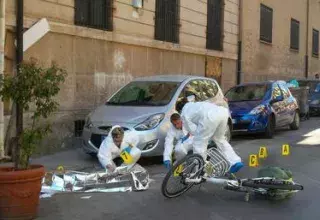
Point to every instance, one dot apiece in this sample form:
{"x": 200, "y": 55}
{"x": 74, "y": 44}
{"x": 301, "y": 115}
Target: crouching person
{"x": 184, "y": 141}
{"x": 118, "y": 143}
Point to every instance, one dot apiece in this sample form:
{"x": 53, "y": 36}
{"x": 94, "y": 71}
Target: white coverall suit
{"x": 181, "y": 149}
{"x": 207, "y": 121}
{"x": 109, "y": 151}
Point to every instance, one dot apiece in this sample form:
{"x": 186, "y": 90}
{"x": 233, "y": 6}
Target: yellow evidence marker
{"x": 60, "y": 168}
{"x": 285, "y": 150}
{"x": 126, "y": 157}
{"x": 263, "y": 153}
{"x": 253, "y": 160}
{"x": 178, "y": 170}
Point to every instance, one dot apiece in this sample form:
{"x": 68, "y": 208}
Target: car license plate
{"x": 234, "y": 121}
{"x": 103, "y": 137}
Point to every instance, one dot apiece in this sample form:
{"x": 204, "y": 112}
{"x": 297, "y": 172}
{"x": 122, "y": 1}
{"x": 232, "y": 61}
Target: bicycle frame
{"x": 235, "y": 185}
{"x": 219, "y": 167}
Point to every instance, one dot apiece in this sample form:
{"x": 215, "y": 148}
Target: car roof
{"x": 308, "y": 80}
{"x": 261, "y": 83}
{"x": 256, "y": 83}
{"x": 170, "y": 78}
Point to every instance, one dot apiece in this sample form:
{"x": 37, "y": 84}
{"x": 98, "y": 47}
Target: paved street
{"x": 209, "y": 202}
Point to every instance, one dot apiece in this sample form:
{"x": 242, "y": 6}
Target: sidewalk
{"x": 74, "y": 159}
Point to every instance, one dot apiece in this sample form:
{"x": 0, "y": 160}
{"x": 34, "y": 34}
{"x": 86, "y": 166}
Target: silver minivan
{"x": 145, "y": 106}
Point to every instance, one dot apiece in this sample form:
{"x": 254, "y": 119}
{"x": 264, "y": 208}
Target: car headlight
{"x": 315, "y": 102}
{"x": 257, "y": 110}
{"x": 150, "y": 123}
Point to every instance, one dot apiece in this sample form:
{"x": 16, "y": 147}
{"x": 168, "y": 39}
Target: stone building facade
{"x": 280, "y": 39}
{"x": 103, "y": 44}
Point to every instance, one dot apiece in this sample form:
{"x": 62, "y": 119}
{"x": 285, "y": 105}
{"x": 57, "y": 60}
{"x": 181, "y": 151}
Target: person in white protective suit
{"x": 114, "y": 144}
{"x": 184, "y": 141}
{"x": 206, "y": 121}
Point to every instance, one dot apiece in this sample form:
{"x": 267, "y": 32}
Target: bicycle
{"x": 193, "y": 170}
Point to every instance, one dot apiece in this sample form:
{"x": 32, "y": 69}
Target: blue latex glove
{"x": 183, "y": 139}
{"x": 127, "y": 149}
{"x": 167, "y": 164}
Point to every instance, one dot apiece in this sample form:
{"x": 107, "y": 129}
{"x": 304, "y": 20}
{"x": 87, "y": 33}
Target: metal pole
{"x": 307, "y": 41}
{"x": 239, "y": 60}
{"x": 19, "y": 54}
{"x": 2, "y": 39}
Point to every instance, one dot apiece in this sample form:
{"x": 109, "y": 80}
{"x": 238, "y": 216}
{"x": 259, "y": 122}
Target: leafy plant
{"x": 34, "y": 89}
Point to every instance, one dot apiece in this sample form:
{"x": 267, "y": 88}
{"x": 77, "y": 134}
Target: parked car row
{"x": 146, "y": 104}
{"x": 314, "y": 95}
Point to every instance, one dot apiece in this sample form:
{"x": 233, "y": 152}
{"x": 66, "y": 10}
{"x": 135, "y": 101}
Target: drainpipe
{"x": 19, "y": 59}
{"x": 239, "y": 60}
{"x": 307, "y": 41}
{"x": 2, "y": 40}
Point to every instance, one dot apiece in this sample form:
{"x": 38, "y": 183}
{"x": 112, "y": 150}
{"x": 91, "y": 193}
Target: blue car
{"x": 262, "y": 107}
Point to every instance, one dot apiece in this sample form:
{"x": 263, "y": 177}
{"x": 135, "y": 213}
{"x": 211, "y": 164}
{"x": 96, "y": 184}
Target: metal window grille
{"x": 94, "y": 14}
{"x": 315, "y": 42}
{"x": 266, "y": 19}
{"x": 214, "y": 24}
{"x": 167, "y": 18}
{"x": 294, "y": 35}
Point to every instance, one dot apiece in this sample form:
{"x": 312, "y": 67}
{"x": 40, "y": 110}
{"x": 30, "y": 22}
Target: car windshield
{"x": 143, "y": 93}
{"x": 247, "y": 93}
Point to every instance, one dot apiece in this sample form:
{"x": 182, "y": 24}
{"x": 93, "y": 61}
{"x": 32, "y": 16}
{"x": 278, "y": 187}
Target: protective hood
{"x": 109, "y": 137}
{"x": 113, "y": 127}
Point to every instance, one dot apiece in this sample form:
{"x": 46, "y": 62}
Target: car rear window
{"x": 145, "y": 93}
{"x": 247, "y": 93}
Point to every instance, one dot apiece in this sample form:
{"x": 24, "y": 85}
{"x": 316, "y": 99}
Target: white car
{"x": 145, "y": 105}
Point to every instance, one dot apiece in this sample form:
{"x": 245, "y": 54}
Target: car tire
{"x": 296, "y": 122}
{"x": 270, "y": 127}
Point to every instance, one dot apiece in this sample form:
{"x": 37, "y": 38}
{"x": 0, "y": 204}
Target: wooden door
{"x": 214, "y": 68}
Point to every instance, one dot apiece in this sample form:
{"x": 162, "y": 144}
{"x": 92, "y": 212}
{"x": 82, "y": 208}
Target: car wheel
{"x": 270, "y": 127}
{"x": 296, "y": 122}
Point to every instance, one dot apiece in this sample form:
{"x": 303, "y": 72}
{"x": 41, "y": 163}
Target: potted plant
{"x": 33, "y": 89}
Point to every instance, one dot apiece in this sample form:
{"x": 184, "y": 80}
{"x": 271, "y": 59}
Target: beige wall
{"x": 261, "y": 61}
{"x": 139, "y": 25}
{"x": 314, "y": 63}
{"x": 100, "y": 62}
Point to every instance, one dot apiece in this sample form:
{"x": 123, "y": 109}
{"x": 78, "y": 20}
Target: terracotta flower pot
{"x": 19, "y": 192}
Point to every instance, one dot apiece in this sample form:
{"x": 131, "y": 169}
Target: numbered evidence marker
{"x": 126, "y": 157}
{"x": 60, "y": 168}
{"x": 263, "y": 153}
{"x": 285, "y": 150}
{"x": 178, "y": 170}
{"x": 253, "y": 160}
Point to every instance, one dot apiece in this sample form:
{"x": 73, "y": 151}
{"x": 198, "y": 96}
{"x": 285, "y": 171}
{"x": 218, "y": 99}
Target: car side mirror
{"x": 277, "y": 99}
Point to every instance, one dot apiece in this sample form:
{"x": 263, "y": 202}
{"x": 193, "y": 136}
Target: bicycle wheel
{"x": 174, "y": 183}
{"x": 272, "y": 184}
